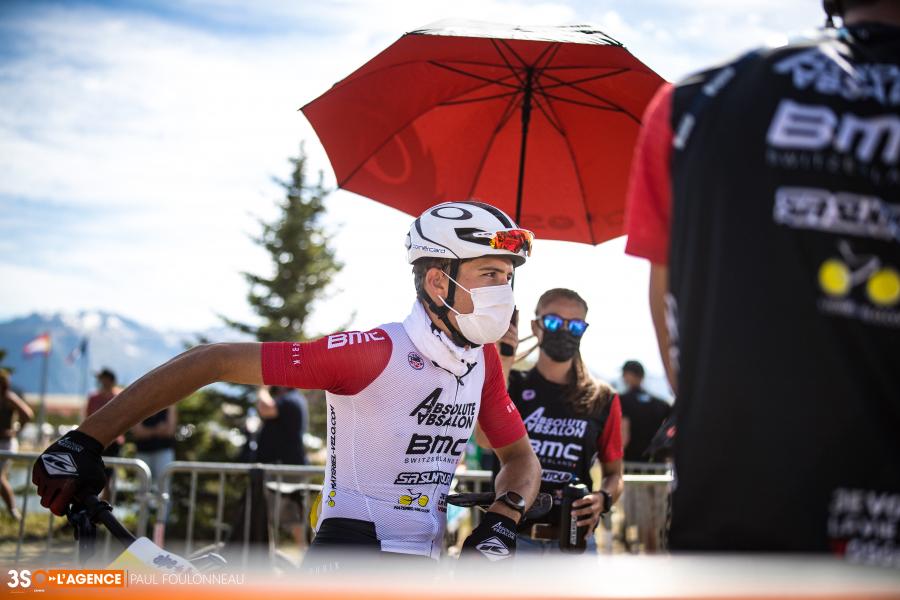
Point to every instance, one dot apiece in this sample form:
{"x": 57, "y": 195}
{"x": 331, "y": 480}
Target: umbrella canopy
{"x": 539, "y": 121}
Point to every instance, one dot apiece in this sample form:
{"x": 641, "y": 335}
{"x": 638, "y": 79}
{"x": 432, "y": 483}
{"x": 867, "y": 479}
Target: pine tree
{"x": 304, "y": 264}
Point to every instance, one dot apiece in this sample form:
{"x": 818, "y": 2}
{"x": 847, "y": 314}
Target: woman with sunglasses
{"x": 571, "y": 417}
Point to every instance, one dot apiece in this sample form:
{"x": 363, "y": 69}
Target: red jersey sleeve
{"x": 649, "y": 202}
{"x": 609, "y": 444}
{"x": 498, "y": 417}
{"x": 342, "y": 363}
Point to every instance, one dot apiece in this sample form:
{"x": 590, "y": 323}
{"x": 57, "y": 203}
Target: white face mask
{"x": 490, "y": 319}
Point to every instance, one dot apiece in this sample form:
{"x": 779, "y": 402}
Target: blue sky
{"x": 138, "y": 141}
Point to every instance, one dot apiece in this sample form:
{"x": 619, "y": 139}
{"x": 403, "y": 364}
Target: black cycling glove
{"x": 70, "y": 466}
{"x": 494, "y": 538}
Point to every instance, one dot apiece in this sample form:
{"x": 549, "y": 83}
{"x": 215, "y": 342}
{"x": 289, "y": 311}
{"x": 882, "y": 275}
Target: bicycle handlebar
{"x": 542, "y": 504}
{"x": 99, "y": 511}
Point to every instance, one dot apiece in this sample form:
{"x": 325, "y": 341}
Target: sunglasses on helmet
{"x": 511, "y": 240}
{"x": 552, "y": 323}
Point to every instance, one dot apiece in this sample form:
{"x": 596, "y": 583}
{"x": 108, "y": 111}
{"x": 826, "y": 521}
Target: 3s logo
{"x": 19, "y": 578}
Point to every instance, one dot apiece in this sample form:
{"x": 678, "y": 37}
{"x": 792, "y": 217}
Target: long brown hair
{"x": 585, "y": 394}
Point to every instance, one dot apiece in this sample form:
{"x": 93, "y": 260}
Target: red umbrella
{"x": 539, "y": 121}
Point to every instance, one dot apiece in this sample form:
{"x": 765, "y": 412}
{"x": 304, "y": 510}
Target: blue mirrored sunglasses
{"x": 576, "y": 327}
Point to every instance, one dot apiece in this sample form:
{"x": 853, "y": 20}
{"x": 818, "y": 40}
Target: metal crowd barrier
{"x": 296, "y": 474}
{"x": 142, "y": 494}
{"x": 645, "y": 507}
{"x": 651, "y": 478}
{"x": 305, "y": 479}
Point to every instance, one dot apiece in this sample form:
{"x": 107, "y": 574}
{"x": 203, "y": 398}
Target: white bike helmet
{"x": 460, "y": 230}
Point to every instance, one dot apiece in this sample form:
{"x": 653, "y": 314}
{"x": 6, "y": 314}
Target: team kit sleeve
{"x": 649, "y": 202}
{"x": 342, "y": 363}
{"x": 498, "y": 417}
{"x": 609, "y": 444}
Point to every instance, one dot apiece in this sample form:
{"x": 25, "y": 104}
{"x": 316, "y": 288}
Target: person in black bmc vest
{"x": 572, "y": 419}
{"x": 642, "y": 414}
{"x": 765, "y": 194}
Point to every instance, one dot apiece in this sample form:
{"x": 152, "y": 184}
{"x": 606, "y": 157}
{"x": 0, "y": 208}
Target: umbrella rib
{"x": 595, "y": 97}
{"x": 509, "y": 66}
{"x": 586, "y": 104}
{"x": 479, "y": 99}
{"x": 555, "y": 121}
{"x": 587, "y": 212}
{"x": 550, "y": 57}
{"x": 576, "y": 82}
{"x": 473, "y": 75}
{"x": 504, "y": 118}
{"x": 519, "y": 58}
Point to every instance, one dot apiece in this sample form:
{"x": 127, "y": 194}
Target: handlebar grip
{"x": 100, "y": 511}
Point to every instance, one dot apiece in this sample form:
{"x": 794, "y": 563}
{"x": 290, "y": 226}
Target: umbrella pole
{"x": 526, "y": 118}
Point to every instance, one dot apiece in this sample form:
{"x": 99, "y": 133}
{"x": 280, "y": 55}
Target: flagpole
{"x": 43, "y": 404}
{"x": 84, "y": 366}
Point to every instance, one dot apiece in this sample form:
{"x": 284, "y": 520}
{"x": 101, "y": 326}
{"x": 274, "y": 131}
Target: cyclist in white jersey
{"x": 402, "y": 399}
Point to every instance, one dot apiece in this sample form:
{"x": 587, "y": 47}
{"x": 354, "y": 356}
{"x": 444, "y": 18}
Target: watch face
{"x": 515, "y": 499}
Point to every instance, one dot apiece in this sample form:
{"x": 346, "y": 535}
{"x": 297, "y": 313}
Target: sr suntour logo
{"x": 439, "y": 414}
{"x": 424, "y": 478}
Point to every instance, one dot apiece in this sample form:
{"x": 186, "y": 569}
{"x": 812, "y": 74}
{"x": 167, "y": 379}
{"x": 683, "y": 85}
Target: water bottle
{"x": 572, "y": 539}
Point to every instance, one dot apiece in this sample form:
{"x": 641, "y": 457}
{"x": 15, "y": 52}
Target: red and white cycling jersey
{"x": 397, "y": 427}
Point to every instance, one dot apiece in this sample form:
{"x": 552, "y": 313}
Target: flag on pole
{"x": 39, "y": 345}
{"x": 77, "y": 352}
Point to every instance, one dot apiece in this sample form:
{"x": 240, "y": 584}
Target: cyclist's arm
{"x": 21, "y": 407}
{"x": 172, "y": 381}
{"x": 480, "y": 438}
{"x": 648, "y": 210}
{"x": 500, "y": 423}
{"x": 659, "y": 288}
{"x": 520, "y": 471}
{"x": 343, "y": 363}
{"x": 611, "y": 451}
{"x": 589, "y": 509}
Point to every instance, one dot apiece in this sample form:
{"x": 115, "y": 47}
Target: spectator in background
{"x": 106, "y": 391}
{"x": 642, "y": 413}
{"x": 154, "y": 438}
{"x": 11, "y": 406}
{"x": 642, "y": 416}
{"x": 285, "y": 416}
{"x": 572, "y": 420}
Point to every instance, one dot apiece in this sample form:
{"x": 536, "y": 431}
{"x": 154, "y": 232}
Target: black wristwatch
{"x": 607, "y": 502}
{"x": 514, "y": 501}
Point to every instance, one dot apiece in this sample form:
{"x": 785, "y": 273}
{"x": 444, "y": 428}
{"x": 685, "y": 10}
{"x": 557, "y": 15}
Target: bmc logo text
{"x": 815, "y": 127}
{"x": 438, "y": 444}
{"x": 551, "y": 449}
{"x": 350, "y": 338}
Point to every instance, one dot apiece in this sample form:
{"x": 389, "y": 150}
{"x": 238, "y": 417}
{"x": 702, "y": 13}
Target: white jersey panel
{"x": 394, "y": 446}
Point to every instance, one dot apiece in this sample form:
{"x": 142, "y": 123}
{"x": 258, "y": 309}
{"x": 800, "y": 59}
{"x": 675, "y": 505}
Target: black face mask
{"x": 560, "y": 346}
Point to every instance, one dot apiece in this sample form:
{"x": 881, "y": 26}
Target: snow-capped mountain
{"x": 127, "y": 347}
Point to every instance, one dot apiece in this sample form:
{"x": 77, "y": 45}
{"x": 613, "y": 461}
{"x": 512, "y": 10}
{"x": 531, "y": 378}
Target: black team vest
{"x": 565, "y": 444}
{"x": 784, "y": 274}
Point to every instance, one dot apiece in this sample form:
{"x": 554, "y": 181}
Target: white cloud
{"x": 167, "y": 132}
